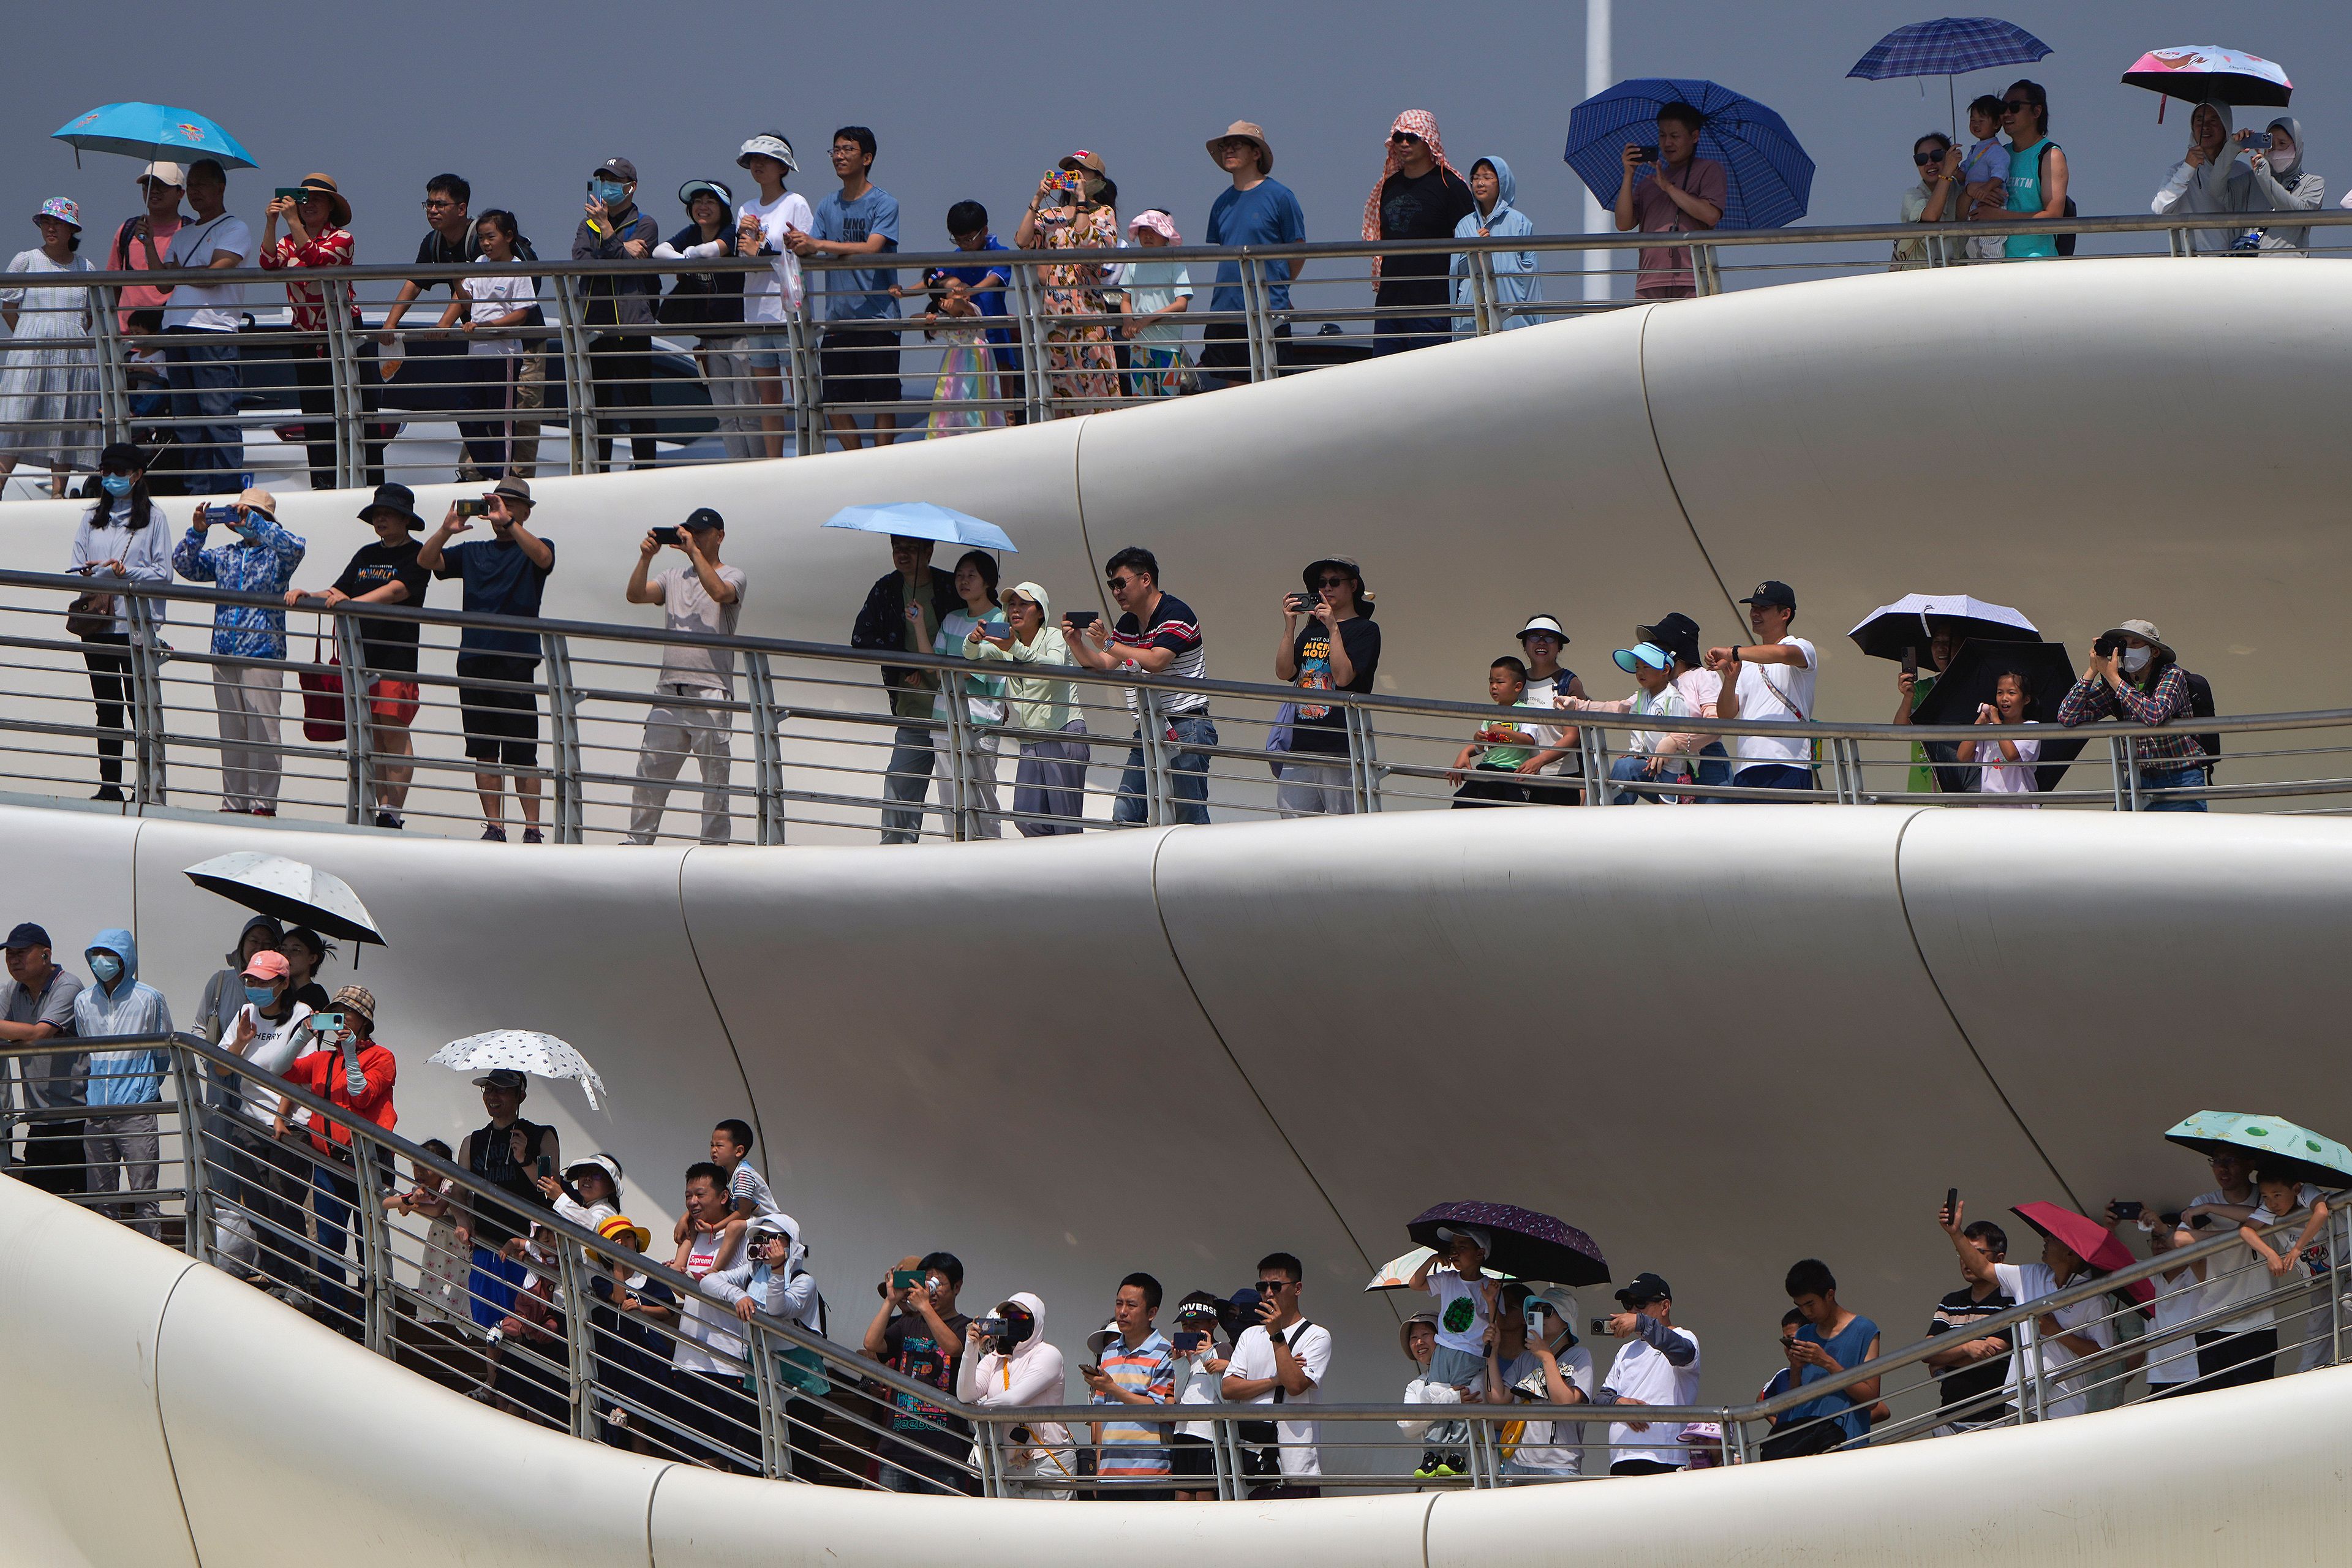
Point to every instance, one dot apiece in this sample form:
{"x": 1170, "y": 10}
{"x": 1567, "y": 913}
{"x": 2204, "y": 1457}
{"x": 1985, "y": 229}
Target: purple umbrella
{"x": 1531, "y": 1244}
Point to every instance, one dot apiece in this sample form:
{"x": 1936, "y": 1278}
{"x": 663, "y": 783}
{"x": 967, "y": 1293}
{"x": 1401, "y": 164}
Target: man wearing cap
{"x": 1557, "y": 760}
{"x": 159, "y": 185}
{"x": 1659, "y": 1365}
{"x": 1770, "y": 681}
{"x": 124, "y": 1084}
{"x": 1256, "y": 210}
{"x": 621, "y": 306}
{"x": 348, "y": 1069}
{"x": 199, "y": 352}
{"x": 505, "y": 574}
{"x": 860, "y": 363}
{"x": 1331, "y": 645}
{"x": 701, "y": 599}
{"x": 503, "y": 1153}
{"x": 36, "y": 1003}
{"x": 2134, "y": 677}
{"x": 248, "y": 641}
{"x": 386, "y": 572}
{"x": 764, "y": 226}
{"x": 318, "y": 235}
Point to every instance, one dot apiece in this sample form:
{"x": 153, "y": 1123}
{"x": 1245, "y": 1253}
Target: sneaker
{"x": 494, "y": 834}
{"x": 481, "y": 1396}
{"x": 530, "y": 835}
{"x": 1454, "y": 1465}
{"x": 1428, "y": 1470}
{"x": 389, "y": 819}
{"x": 265, "y": 811}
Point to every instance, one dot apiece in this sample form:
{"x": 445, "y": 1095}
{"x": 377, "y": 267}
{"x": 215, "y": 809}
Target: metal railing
{"x": 497, "y": 1296}
{"x": 140, "y": 712}
{"x": 343, "y": 401}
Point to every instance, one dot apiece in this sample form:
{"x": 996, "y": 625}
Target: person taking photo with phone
{"x": 505, "y": 574}
{"x": 704, "y": 596}
{"x": 1006, "y": 1366}
{"x": 1672, "y": 190}
{"x": 348, "y": 1069}
{"x": 918, "y": 1333}
{"x": 248, "y": 643}
{"x": 1282, "y": 1359}
{"x": 1328, "y": 643}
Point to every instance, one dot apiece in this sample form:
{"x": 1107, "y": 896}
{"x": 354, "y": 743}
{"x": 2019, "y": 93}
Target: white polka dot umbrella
{"x": 520, "y": 1050}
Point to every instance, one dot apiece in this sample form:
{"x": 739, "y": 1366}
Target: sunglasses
{"x": 1404, "y": 138}
{"x": 1924, "y": 159}
{"x": 1334, "y": 582}
{"x": 1273, "y": 1287}
{"x": 2014, "y": 106}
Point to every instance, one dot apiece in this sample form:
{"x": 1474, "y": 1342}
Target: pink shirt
{"x": 1666, "y": 269}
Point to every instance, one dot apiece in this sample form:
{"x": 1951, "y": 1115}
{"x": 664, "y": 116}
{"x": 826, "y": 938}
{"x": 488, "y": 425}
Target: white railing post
{"x": 358, "y": 754}
{"x": 1152, "y": 731}
{"x": 113, "y": 366}
{"x": 147, "y": 617}
{"x": 580, "y": 1373}
{"x": 1034, "y": 385}
{"x": 767, "y": 748}
{"x": 375, "y": 1259}
{"x": 1483, "y": 316}
{"x": 187, "y": 1087}
{"x": 1254, "y": 315}
{"x": 342, "y": 376}
{"x": 567, "y": 802}
{"x": 579, "y": 387}
{"x": 963, "y": 821}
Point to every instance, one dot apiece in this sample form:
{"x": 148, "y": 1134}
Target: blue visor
{"x": 1646, "y": 653}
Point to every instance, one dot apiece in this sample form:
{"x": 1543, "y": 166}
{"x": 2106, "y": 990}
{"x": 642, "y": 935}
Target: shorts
{"x": 1224, "y": 346}
{"x": 393, "y": 702}
{"x": 859, "y": 364}
{"x": 501, "y": 726}
{"x": 1191, "y": 1458}
{"x": 766, "y": 350}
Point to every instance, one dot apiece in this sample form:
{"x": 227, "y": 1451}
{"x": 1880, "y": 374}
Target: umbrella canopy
{"x": 2207, "y": 73}
{"x": 1888, "y": 630}
{"x": 2089, "y": 1240}
{"x": 2321, "y": 1161}
{"x": 1528, "y": 1245}
{"x": 1397, "y": 1272}
{"x": 921, "y": 520}
{"x": 520, "y": 1050}
{"x": 1948, "y": 46}
{"x": 1978, "y": 665}
{"x": 1767, "y": 177}
{"x": 150, "y": 131}
{"x": 287, "y": 890}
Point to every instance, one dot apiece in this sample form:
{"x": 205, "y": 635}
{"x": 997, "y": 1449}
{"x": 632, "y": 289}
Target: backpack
{"x": 2064, "y": 242}
{"x": 2200, "y": 706}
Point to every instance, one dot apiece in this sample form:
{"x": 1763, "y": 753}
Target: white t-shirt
{"x": 1461, "y": 1311}
{"x": 1253, "y": 1358}
{"x": 2235, "y": 1279}
{"x": 211, "y": 307}
{"x": 1554, "y": 1444}
{"x": 1642, "y": 1372}
{"x": 2010, "y": 778}
{"x": 747, "y": 1182}
{"x": 1152, "y": 287}
{"x": 493, "y": 299}
{"x": 2024, "y": 1282}
{"x": 2317, "y": 1255}
{"x": 273, "y": 1049}
{"x": 1777, "y": 693}
{"x": 770, "y": 296}
{"x": 687, "y": 606}
{"x": 2176, "y": 1303}
{"x": 1202, "y": 1386}
{"x": 707, "y": 1341}
{"x": 1542, "y": 689}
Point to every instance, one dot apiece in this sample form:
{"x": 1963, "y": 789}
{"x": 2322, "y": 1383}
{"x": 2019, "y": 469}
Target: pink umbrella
{"x": 2092, "y": 1242}
{"x": 2207, "y": 73}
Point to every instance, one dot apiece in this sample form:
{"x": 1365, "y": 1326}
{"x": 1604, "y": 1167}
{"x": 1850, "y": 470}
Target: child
{"x": 964, "y": 396}
{"x": 1984, "y": 178}
{"x": 632, "y": 1355}
{"x": 1504, "y": 746}
{"x": 1562, "y": 1375}
{"x": 593, "y": 1195}
{"x": 441, "y": 1275}
{"x": 1650, "y": 754}
{"x": 490, "y": 305}
{"x": 2012, "y": 771}
{"x": 1465, "y": 1308}
{"x": 2282, "y": 1195}
{"x": 1157, "y": 293}
{"x": 1202, "y": 1370}
{"x": 747, "y": 1192}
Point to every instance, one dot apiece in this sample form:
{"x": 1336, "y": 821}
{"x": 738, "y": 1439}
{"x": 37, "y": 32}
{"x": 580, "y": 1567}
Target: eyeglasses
{"x": 1403, "y": 139}
{"x": 1924, "y": 159}
{"x": 435, "y": 203}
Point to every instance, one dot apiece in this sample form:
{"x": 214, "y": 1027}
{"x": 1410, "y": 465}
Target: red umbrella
{"x": 2089, "y": 1240}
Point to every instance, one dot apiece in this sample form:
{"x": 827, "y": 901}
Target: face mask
{"x": 261, "y": 995}
{"x": 2135, "y": 659}
{"x": 610, "y": 195}
{"x": 117, "y": 485}
{"x": 106, "y": 966}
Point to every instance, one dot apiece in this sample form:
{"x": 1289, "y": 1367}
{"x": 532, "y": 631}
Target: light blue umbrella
{"x": 151, "y": 131}
{"x": 921, "y": 520}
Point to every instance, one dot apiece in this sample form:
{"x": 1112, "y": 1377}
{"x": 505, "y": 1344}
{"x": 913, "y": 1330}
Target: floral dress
{"x": 1079, "y": 357}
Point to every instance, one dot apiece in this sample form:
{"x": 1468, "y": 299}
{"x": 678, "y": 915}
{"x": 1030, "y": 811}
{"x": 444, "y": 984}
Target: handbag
{"x": 322, "y": 700}
{"x": 91, "y": 615}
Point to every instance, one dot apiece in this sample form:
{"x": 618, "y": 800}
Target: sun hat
{"x": 259, "y": 501}
{"x": 693, "y": 188}
{"x": 2144, "y": 630}
{"x": 1484, "y": 1238}
{"x": 267, "y": 965}
{"x": 355, "y": 999}
{"x": 1248, "y": 131}
{"x": 1544, "y": 623}
{"x": 336, "y": 203}
{"x": 1646, "y": 653}
{"x": 62, "y": 208}
{"x": 621, "y": 1225}
{"x": 604, "y": 1163}
{"x": 1101, "y": 1338}
{"x": 771, "y": 146}
{"x": 513, "y": 489}
{"x": 1313, "y": 571}
{"x": 1405, "y": 1330}
{"x": 1157, "y": 222}
{"x": 397, "y": 499}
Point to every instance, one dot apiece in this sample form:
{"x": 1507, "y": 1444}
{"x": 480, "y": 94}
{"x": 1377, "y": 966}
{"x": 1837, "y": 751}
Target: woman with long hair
{"x": 1069, "y": 213}
{"x": 49, "y": 389}
{"x": 122, "y": 540}
{"x": 492, "y": 307}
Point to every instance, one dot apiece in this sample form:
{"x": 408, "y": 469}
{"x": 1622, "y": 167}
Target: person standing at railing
{"x": 704, "y": 597}
{"x": 1200, "y": 1374}
{"x": 975, "y": 584}
{"x": 2309, "y": 1254}
{"x": 258, "y": 1198}
{"x": 200, "y": 355}
{"x": 710, "y": 1363}
{"x": 48, "y": 382}
{"x": 1976, "y": 1365}
{"x": 505, "y": 574}
{"x": 348, "y": 1069}
{"x": 1068, "y": 213}
{"x": 1659, "y": 1365}
{"x": 2134, "y": 677}
{"x": 1051, "y": 780}
{"x": 428, "y": 383}
{"x": 621, "y": 306}
{"x": 122, "y": 540}
{"x": 1549, "y": 775}
{"x": 386, "y": 572}
{"x": 1685, "y": 192}
{"x": 248, "y": 642}
{"x": 493, "y": 305}
{"x": 120, "y": 1135}
{"x": 1933, "y": 198}
{"x": 1135, "y": 1367}
{"x": 36, "y": 1004}
{"x": 318, "y": 235}
{"x": 504, "y": 1153}
{"x": 990, "y": 284}
{"x": 964, "y": 395}
{"x": 1489, "y": 771}
{"x": 224, "y": 994}
{"x": 1157, "y": 293}
{"x": 765, "y": 227}
{"x": 160, "y": 186}
{"x": 1701, "y": 691}
{"x": 857, "y": 356}
{"x": 1753, "y": 690}
{"x": 772, "y": 1277}
{"x": 1649, "y": 755}
{"x": 1329, "y": 642}
{"x": 918, "y": 1333}
{"x": 1158, "y": 634}
{"x": 2039, "y": 173}
{"x": 2284, "y": 182}
{"x": 1257, "y": 210}
{"x": 1513, "y": 279}
{"x": 1419, "y": 195}
{"x": 2051, "y": 1342}
{"x": 1281, "y": 1360}
{"x": 2209, "y": 179}
{"x": 1007, "y": 1364}
{"x": 902, "y": 613}
{"x": 1562, "y": 1374}
{"x": 717, "y": 300}
{"x": 1832, "y": 1340}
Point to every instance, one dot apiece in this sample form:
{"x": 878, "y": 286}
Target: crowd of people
{"x": 1115, "y": 330}
{"x": 673, "y": 1372}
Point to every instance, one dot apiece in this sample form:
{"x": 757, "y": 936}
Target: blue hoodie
{"x": 130, "y": 1006}
{"x": 1515, "y": 270}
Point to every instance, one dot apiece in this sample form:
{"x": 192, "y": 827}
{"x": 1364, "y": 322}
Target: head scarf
{"x": 1424, "y": 124}
{"x": 1157, "y": 222}
{"x": 2292, "y": 170}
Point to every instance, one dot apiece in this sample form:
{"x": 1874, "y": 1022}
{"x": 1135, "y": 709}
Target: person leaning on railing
{"x": 36, "y": 1004}
{"x": 1329, "y": 642}
{"x": 1051, "y": 780}
{"x": 48, "y": 382}
{"x": 2132, "y": 676}
{"x": 1976, "y": 1367}
{"x": 2055, "y": 1340}
{"x": 1159, "y": 634}
{"x": 1006, "y": 1366}
{"x": 772, "y": 1275}
{"x": 902, "y": 614}
{"x": 620, "y": 357}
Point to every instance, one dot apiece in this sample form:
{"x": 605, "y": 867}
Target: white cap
{"x": 169, "y": 173}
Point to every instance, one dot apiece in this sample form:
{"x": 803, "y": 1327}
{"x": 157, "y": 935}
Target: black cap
{"x": 1772, "y": 592}
{"x": 1674, "y": 632}
{"x": 1644, "y": 1290}
{"x": 398, "y": 500}
{"x": 619, "y": 168}
{"x": 120, "y": 454}
{"x": 702, "y": 519}
{"x": 27, "y": 934}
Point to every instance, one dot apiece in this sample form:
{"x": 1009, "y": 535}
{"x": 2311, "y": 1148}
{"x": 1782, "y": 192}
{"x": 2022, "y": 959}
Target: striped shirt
{"x": 1137, "y": 1447}
{"x": 1175, "y": 628}
{"x": 2164, "y": 702}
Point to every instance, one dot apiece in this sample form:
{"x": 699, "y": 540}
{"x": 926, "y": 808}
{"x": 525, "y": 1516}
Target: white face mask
{"x": 2135, "y": 659}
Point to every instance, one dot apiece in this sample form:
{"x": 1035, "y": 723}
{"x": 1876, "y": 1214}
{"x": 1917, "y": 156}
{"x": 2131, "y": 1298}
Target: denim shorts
{"x": 766, "y": 350}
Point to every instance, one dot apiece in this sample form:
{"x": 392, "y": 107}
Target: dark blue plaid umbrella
{"x": 1767, "y": 176}
{"x": 1948, "y": 46}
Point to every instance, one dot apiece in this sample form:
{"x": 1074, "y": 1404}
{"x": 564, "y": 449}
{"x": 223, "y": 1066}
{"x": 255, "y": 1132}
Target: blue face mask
{"x": 261, "y": 995}
{"x": 106, "y": 966}
{"x": 612, "y": 195}
{"x": 117, "y": 485}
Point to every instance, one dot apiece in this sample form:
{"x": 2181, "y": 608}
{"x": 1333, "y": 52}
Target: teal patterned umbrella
{"x": 2322, "y": 1161}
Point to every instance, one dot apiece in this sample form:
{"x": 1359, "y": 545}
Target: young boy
{"x": 1984, "y": 178}
{"x": 2282, "y": 1195}
{"x": 1466, "y": 1295}
{"x": 1504, "y": 746}
{"x": 747, "y": 1190}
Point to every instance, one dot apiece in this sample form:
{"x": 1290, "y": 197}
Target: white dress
{"x": 49, "y": 389}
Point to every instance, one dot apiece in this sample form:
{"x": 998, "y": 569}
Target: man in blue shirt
{"x": 859, "y": 361}
{"x": 1256, "y": 211}
{"x": 505, "y": 574}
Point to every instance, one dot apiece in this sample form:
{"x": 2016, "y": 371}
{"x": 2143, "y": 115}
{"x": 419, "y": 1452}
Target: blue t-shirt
{"x": 1848, "y": 1348}
{"x": 861, "y": 293}
{"x": 500, "y": 580}
{"x": 1265, "y": 214}
{"x": 991, "y": 301}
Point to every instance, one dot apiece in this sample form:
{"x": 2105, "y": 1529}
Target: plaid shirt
{"x": 2167, "y": 700}
{"x": 266, "y": 566}
{"x": 332, "y": 248}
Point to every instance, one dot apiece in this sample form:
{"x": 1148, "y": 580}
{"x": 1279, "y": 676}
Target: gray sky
{"x": 524, "y": 97}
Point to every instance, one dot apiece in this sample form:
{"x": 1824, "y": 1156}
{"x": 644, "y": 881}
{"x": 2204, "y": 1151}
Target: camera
{"x": 1600, "y": 1327}
{"x": 472, "y": 508}
{"x": 665, "y": 536}
{"x": 2108, "y": 645}
{"x": 993, "y": 1329}
{"x": 1303, "y": 604}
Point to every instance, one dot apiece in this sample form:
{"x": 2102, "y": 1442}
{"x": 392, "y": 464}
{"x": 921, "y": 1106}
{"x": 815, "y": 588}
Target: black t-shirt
{"x": 1956, "y": 1314}
{"x": 1423, "y": 208}
{"x": 908, "y": 1348}
{"x": 391, "y": 646}
{"x": 435, "y": 251}
{"x": 1317, "y": 728}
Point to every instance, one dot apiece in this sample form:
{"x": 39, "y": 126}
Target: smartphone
{"x": 2172, "y": 1220}
{"x": 1951, "y": 1202}
{"x": 1190, "y": 1339}
{"x": 546, "y": 1166}
{"x": 476, "y": 507}
{"x": 1535, "y": 1318}
{"x": 1090, "y": 1371}
{"x": 290, "y": 192}
{"x": 1646, "y": 155}
{"x": 990, "y": 1328}
{"x": 1910, "y": 661}
{"x": 226, "y": 514}
{"x": 2127, "y": 1210}
{"x": 326, "y": 1022}
{"x": 905, "y": 1279}
{"x": 665, "y": 536}
{"x": 1080, "y": 619}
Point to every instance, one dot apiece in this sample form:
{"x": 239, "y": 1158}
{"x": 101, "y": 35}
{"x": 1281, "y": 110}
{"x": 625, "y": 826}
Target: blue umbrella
{"x": 1946, "y": 48}
{"x": 151, "y": 131}
{"x": 921, "y": 520}
{"x": 1767, "y": 176}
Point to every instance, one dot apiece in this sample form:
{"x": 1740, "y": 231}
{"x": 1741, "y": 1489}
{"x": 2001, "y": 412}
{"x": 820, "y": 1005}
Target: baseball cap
{"x": 1544, "y": 623}
{"x": 702, "y": 519}
{"x": 1771, "y": 591}
{"x": 27, "y": 934}
{"x": 168, "y": 174}
{"x": 268, "y": 965}
{"x": 504, "y": 1078}
{"x": 1645, "y": 1288}
{"x": 1082, "y": 159}
{"x": 619, "y": 168}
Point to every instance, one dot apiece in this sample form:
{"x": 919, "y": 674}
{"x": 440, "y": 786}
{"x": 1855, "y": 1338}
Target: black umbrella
{"x": 1531, "y": 1244}
{"x": 1978, "y": 665}
{"x": 1911, "y": 621}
